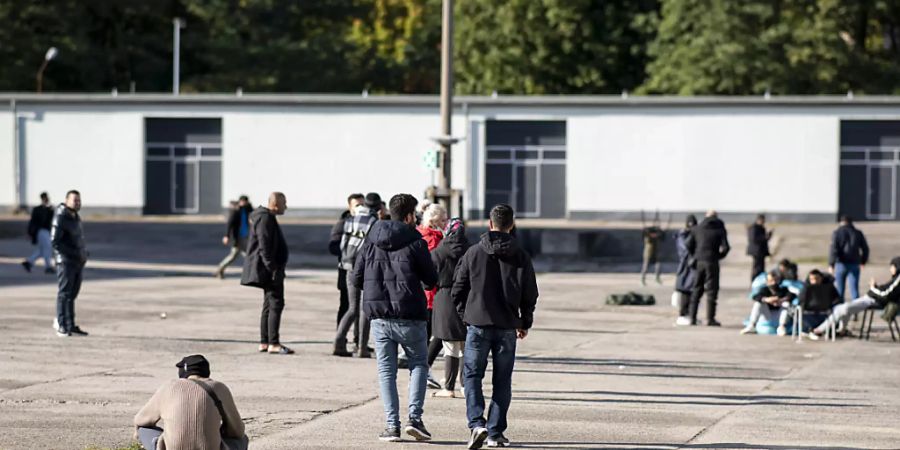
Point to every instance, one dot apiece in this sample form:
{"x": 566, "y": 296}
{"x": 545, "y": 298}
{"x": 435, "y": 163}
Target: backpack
{"x": 355, "y": 230}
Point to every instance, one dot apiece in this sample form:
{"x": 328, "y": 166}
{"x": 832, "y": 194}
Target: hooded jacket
{"x": 267, "y": 251}
{"x": 708, "y": 241}
{"x": 433, "y": 238}
{"x": 446, "y": 324}
{"x": 819, "y": 297}
{"x": 888, "y": 292}
{"x": 495, "y": 285}
{"x": 391, "y": 268}
{"x": 848, "y": 246}
{"x": 67, "y": 236}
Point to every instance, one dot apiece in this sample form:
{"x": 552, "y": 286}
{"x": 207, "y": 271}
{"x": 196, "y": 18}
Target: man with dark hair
{"x": 236, "y": 235}
{"x": 67, "y": 239}
{"x": 758, "y": 245}
{"x": 353, "y": 236}
{"x": 197, "y": 411}
{"x": 495, "y": 293}
{"x": 334, "y": 247}
{"x": 708, "y": 244}
{"x": 39, "y": 232}
{"x": 267, "y": 256}
{"x": 391, "y": 268}
{"x": 849, "y": 252}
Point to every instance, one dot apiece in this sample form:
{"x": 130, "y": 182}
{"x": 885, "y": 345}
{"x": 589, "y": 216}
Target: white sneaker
{"x": 748, "y": 330}
{"x": 55, "y": 323}
{"x": 782, "y": 331}
{"x": 682, "y": 321}
{"x": 813, "y": 336}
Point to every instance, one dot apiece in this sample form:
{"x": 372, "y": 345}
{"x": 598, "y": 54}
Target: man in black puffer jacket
{"x": 391, "y": 268}
{"x": 707, "y": 244}
{"x": 495, "y": 292}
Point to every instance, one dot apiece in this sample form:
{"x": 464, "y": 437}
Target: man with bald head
{"x": 707, "y": 244}
{"x": 267, "y": 255}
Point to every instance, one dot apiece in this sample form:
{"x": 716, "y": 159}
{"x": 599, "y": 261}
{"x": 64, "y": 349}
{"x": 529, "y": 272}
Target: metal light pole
{"x": 445, "y": 140}
{"x": 177, "y": 25}
{"x": 51, "y": 53}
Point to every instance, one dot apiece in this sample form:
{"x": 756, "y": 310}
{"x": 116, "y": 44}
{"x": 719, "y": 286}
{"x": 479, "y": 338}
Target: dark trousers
{"x": 501, "y": 344}
{"x": 69, "y": 277}
{"x": 270, "y": 319}
{"x": 354, "y": 317}
{"x": 345, "y": 303}
{"x": 706, "y": 281}
{"x": 759, "y": 266}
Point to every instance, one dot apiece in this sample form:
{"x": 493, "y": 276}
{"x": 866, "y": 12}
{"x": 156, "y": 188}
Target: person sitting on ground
{"x": 198, "y": 413}
{"x": 877, "y": 297}
{"x": 774, "y": 298}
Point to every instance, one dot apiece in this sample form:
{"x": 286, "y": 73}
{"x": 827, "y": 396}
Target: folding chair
{"x": 865, "y": 330}
{"x": 797, "y": 327}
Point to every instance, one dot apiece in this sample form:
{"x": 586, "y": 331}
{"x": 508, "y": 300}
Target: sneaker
{"x": 781, "y": 331}
{"x": 499, "y": 441}
{"x": 476, "y": 440}
{"x": 432, "y": 383}
{"x": 813, "y": 336}
{"x": 342, "y": 352}
{"x": 713, "y": 323}
{"x": 77, "y": 331}
{"x": 683, "y": 321}
{"x": 61, "y": 332}
{"x": 27, "y": 266}
{"x": 444, "y": 393}
{"x": 390, "y": 435}
{"x": 55, "y": 323}
{"x": 749, "y": 330}
{"x": 416, "y": 429}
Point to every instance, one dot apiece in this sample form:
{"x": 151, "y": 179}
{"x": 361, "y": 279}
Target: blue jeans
{"x": 501, "y": 344}
{"x": 844, "y": 273}
{"x": 411, "y": 335}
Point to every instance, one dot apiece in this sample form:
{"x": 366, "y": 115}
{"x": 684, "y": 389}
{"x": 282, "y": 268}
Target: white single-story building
{"x": 570, "y": 157}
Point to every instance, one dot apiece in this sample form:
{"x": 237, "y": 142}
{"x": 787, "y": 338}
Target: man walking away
{"x": 708, "y": 244}
{"x": 391, "y": 268}
{"x": 495, "y": 292}
{"x": 197, "y": 411}
{"x": 334, "y": 247}
{"x": 758, "y": 245}
{"x": 267, "y": 256}
{"x": 39, "y": 232}
{"x": 67, "y": 239}
{"x": 354, "y": 236}
{"x": 238, "y": 231}
{"x": 849, "y": 253}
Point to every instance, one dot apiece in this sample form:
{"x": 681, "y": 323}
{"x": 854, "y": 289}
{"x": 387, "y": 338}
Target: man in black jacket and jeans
{"x": 391, "y": 268}
{"x": 849, "y": 252}
{"x": 67, "y": 238}
{"x": 707, "y": 244}
{"x": 495, "y": 292}
{"x": 267, "y": 256}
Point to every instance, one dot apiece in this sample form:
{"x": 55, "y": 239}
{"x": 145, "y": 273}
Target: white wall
{"x": 692, "y": 162}
{"x": 7, "y": 170}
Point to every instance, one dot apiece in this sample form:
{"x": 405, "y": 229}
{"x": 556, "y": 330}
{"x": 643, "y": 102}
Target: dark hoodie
{"x": 709, "y": 241}
{"x": 494, "y": 285}
{"x": 267, "y": 251}
{"x": 391, "y": 268}
{"x": 888, "y": 292}
{"x": 819, "y": 297}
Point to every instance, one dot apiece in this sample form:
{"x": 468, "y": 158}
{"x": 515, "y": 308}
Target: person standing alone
{"x": 67, "y": 239}
{"x": 758, "y": 245}
{"x": 267, "y": 256}
{"x": 39, "y": 232}
{"x": 849, "y": 253}
{"x": 708, "y": 245}
{"x": 495, "y": 292}
{"x": 238, "y": 231}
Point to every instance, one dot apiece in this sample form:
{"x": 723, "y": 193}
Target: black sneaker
{"x": 499, "y": 441}
{"x": 416, "y": 429}
{"x": 432, "y": 383}
{"x": 77, "y": 331}
{"x": 390, "y": 435}
{"x": 713, "y": 323}
{"x": 27, "y": 266}
{"x": 476, "y": 440}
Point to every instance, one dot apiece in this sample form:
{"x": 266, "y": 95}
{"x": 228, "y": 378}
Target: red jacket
{"x": 432, "y": 237}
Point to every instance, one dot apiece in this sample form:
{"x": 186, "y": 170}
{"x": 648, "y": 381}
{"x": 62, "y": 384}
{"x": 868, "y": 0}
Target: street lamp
{"x": 177, "y": 25}
{"x": 51, "y": 53}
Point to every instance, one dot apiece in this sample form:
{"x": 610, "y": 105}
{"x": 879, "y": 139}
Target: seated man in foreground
{"x": 198, "y": 413}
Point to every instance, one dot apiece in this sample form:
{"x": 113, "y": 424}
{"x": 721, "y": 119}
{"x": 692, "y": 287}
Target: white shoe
{"x": 682, "y": 321}
{"x": 782, "y": 331}
{"x": 813, "y": 336}
{"x": 748, "y": 330}
{"x": 55, "y": 323}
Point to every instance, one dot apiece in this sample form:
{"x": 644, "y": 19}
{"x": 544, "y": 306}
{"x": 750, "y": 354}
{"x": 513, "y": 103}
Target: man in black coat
{"x": 39, "y": 233}
{"x": 67, "y": 238}
{"x": 237, "y": 233}
{"x": 495, "y": 292}
{"x": 267, "y": 256}
{"x": 391, "y": 268}
{"x": 707, "y": 244}
{"x": 758, "y": 245}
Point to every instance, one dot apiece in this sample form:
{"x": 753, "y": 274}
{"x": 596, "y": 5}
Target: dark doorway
{"x": 526, "y": 167}
{"x": 870, "y": 155}
{"x": 183, "y": 166}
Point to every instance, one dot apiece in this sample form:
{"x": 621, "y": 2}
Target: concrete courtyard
{"x": 588, "y": 376}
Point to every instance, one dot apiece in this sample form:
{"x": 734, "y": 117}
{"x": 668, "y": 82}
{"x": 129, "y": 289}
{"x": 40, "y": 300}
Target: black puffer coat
{"x": 391, "y": 268}
{"x": 445, "y": 323}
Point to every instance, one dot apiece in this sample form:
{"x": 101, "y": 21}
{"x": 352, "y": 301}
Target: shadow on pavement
{"x": 657, "y": 446}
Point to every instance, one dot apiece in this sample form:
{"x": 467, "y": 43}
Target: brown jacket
{"x": 190, "y": 418}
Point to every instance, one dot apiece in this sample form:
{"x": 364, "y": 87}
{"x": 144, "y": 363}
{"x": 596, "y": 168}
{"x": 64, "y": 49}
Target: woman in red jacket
{"x": 434, "y": 219}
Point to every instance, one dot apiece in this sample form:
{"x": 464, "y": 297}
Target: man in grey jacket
{"x": 67, "y": 238}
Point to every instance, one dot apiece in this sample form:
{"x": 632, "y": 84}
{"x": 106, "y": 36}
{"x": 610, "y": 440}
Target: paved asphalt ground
{"x": 588, "y": 376}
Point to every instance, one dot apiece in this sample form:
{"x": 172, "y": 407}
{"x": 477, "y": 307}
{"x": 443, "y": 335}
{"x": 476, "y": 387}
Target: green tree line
{"x": 683, "y": 47}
